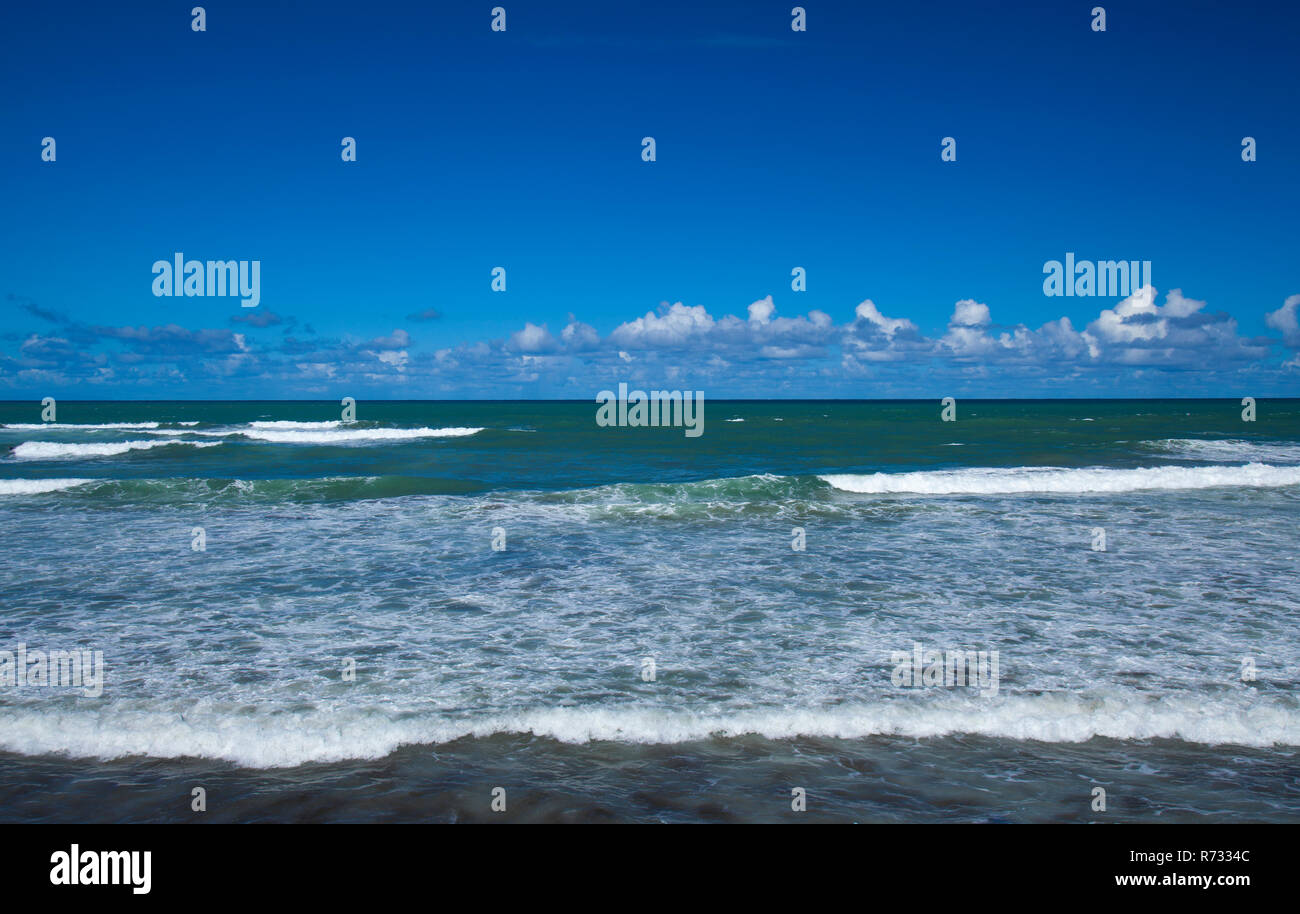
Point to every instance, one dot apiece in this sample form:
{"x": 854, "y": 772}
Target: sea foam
{"x": 270, "y": 737}
{"x": 1220, "y": 449}
{"x": 348, "y": 436}
{"x": 57, "y": 450}
{"x": 1027, "y": 480}
{"x": 75, "y": 427}
{"x": 38, "y": 486}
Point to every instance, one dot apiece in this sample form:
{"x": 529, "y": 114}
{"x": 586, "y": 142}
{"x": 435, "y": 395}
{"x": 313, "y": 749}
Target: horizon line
{"x": 27, "y": 401}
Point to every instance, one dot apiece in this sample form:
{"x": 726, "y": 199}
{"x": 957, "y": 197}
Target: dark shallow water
{"x": 748, "y": 779}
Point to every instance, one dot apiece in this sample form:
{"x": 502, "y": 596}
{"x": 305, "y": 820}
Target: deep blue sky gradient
{"x": 522, "y": 149}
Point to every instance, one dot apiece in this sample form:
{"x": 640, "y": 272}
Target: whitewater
{"x": 431, "y": 584}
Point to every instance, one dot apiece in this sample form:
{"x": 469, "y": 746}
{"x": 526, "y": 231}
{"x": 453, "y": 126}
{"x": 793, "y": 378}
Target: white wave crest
{"x": 57, "y": 450}
{"x": 73, "y": 427}
{"x": 262, "y": 737}
{"x": 1230, "y": 449}
{"x": 347, "y": 436}
{"x": 1026, "y": 480}
{"x": 38, "y": 486}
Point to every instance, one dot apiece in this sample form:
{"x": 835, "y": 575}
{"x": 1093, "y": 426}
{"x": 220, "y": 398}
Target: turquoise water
{"x": 368, "y": 546}
{"x": 557, "y": 445}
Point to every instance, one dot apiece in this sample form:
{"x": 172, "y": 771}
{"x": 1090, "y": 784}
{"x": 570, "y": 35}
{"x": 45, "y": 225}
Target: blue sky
{"x": 775, "y": 149}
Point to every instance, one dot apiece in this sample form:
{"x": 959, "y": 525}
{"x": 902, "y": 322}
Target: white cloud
{"x": 969, "y": 313}
{"x": 760, "y": 312}
{"x": 675, "y": 326}
{"x": 399, "y": 339}
{"x": 1135, "y": 318}
{"x": 532, "y": 339}
{"x": 867, "y": 311}
{"x": 395, "y": 357}
{"x": 756, "y": 353}
{"x": 577, "y": 335}
{"x": 1285, "y": 320}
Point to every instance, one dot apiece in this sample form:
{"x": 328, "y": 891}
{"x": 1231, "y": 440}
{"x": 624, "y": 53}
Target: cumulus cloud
{"x": 577, "y": 336}
{"x": 398, "y": 339}
{"x": 868, "y": 312}
{"x": 50, "y": 349}
{"x": 171, "y": 340}
{"x": 533, "y": 339}
{"x": 394, "y": 357}
{"x": 757, "y": 352}
{"x": 969, "y": 313}
{"x": 873, "y": 337}
{"x": 1178, "y": 333}
{"x": 1284, "y": 319}
{"x": 677, "y": 325}
{"x": 760, "y": 312}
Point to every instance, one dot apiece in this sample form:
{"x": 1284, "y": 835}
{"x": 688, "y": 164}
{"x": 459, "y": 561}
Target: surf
{"x": 276, "y": 737}
{"x": 1062, "y": 481}
{"x": 57, "y": 450}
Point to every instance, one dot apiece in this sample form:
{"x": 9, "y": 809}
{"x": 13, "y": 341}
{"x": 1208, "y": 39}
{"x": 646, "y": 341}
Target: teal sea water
{"x": 649, "y": 643}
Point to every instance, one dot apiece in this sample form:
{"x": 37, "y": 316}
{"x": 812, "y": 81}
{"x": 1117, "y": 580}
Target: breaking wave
{"x": 1228, "y": 449}
{"x": 271, "y": 737}
{"x": 1054, "y": 480}
{"x": 38, "y": 486}
{"x": 282, "y": 435}
{"x": 58, "y": 450}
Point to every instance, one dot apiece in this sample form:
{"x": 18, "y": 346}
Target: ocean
{"x": 501, "y": 611}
